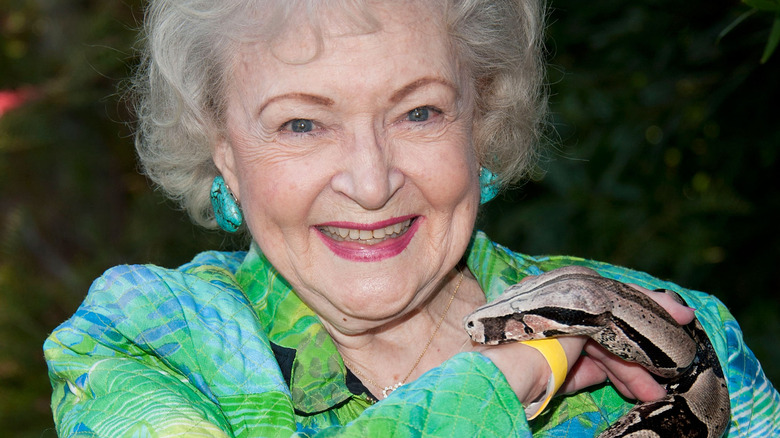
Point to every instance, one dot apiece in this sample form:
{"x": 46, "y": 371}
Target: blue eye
{"x": 300, "y": 125}
{"x": 420, "y": 114}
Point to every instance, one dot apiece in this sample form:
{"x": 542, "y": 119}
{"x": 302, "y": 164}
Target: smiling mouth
{"x": 367, "y": 237}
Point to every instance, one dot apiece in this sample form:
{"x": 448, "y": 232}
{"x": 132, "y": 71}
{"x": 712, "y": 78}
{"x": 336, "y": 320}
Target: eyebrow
{"x": 395, "y": 98}
{"x": 312, "y": 98}
{"x": 419, "y": 83}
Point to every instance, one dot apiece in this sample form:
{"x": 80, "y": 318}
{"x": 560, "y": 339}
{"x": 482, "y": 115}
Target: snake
{"x": 575, "y": 300}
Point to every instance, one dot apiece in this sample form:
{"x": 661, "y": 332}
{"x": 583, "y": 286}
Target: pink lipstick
{"x": 369, "y": 242}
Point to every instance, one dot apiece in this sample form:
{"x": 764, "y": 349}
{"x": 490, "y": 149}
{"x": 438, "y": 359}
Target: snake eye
{"x": 470, "y": 324}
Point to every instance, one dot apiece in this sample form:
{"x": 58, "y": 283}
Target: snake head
{"x": 499, "y": 329}
{"x": 543, "y": 306}
{"x": 484, "y": 330}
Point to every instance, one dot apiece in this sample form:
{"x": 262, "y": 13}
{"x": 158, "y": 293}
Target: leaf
{"x": 734, "y": 24}
{"x": 774, "y": 39}
{"x": 764, "y": 5}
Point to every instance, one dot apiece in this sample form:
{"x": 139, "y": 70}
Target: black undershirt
{"x": 286, "y": 356}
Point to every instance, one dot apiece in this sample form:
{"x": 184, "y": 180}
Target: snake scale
{"x": 577, "y": 301}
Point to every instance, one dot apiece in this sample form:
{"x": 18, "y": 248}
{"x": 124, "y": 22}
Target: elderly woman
{"x": 354, "y": 141}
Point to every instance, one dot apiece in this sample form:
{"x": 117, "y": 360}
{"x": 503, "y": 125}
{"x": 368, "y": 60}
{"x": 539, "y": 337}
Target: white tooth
{"x": 397, "y": 228}
{"x": 365, "y": 234}
{"x": 354, "y": 234}
{"x": 379, "y": 234}
{"x": 343, "y": 232}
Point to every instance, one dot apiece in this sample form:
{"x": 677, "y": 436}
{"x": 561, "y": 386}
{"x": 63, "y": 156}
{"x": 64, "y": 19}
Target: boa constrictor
{"x": 577, "y": 301}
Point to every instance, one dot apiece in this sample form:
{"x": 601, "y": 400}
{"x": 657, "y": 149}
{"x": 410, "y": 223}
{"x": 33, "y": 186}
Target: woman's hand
{"x": 631, "y": 379}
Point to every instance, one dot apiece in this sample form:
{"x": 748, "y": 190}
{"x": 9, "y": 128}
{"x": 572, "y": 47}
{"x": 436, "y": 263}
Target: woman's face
{"x": 355, "y": 170}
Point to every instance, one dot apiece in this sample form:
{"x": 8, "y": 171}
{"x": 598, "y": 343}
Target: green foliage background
{"x": 665, "y": 159}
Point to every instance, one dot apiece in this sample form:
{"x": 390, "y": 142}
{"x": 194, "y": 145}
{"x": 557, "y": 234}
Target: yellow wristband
{"x": 553, "y": 352}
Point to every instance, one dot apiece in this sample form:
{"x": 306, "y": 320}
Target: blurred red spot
{"x": 10, "y": 99}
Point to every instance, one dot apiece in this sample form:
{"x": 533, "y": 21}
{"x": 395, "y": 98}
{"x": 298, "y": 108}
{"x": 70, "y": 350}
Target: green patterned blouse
{"x": 222, "y": 347}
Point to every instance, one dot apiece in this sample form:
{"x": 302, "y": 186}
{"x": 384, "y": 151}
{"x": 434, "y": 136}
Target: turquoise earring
{"x": 487, "y": 184}
{"x": 227, "y": 212}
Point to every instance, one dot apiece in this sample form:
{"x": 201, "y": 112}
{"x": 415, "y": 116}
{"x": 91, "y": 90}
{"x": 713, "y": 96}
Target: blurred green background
{"x": 664, "y": 158}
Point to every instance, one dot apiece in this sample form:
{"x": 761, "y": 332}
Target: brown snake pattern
{"x": 577, "y": 301}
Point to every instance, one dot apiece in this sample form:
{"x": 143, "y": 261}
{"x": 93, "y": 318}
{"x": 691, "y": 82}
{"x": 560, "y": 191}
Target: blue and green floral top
{"x": 223, "y": 347}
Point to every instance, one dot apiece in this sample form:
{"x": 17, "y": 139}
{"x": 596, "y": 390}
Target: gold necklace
{"x": 388, "y": 389}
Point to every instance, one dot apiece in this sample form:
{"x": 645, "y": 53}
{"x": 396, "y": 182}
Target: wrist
{"x": 528, "y": 371}
{"x": 539, "y": 384}
{"x": 556, "y": 370}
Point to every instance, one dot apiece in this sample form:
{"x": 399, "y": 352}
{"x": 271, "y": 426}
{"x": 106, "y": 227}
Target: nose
{"x": 368, "y": 175}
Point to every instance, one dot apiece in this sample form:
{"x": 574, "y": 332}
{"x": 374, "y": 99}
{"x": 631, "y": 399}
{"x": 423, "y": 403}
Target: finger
{"x": 615, "y": 381}
{"x": 584, "y": 374}
{"x": 588, "y": 372}
{"x": 680, "y": 312}
{"x": 628, "y": 378}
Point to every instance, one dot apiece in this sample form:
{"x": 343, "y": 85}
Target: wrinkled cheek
{"x": 455, "y": 182}
{"x": 265, "y": 211}
{"x": 274, "y": 189}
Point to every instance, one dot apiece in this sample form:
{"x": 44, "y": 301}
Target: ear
{"x": 224, "y": 159}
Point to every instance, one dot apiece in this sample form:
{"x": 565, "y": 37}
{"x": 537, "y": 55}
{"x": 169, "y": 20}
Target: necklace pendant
{"x": 389, "y": 389}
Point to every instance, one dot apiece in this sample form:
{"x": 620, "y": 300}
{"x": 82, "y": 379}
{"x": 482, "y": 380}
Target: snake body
{"x": 577, "y": 301}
